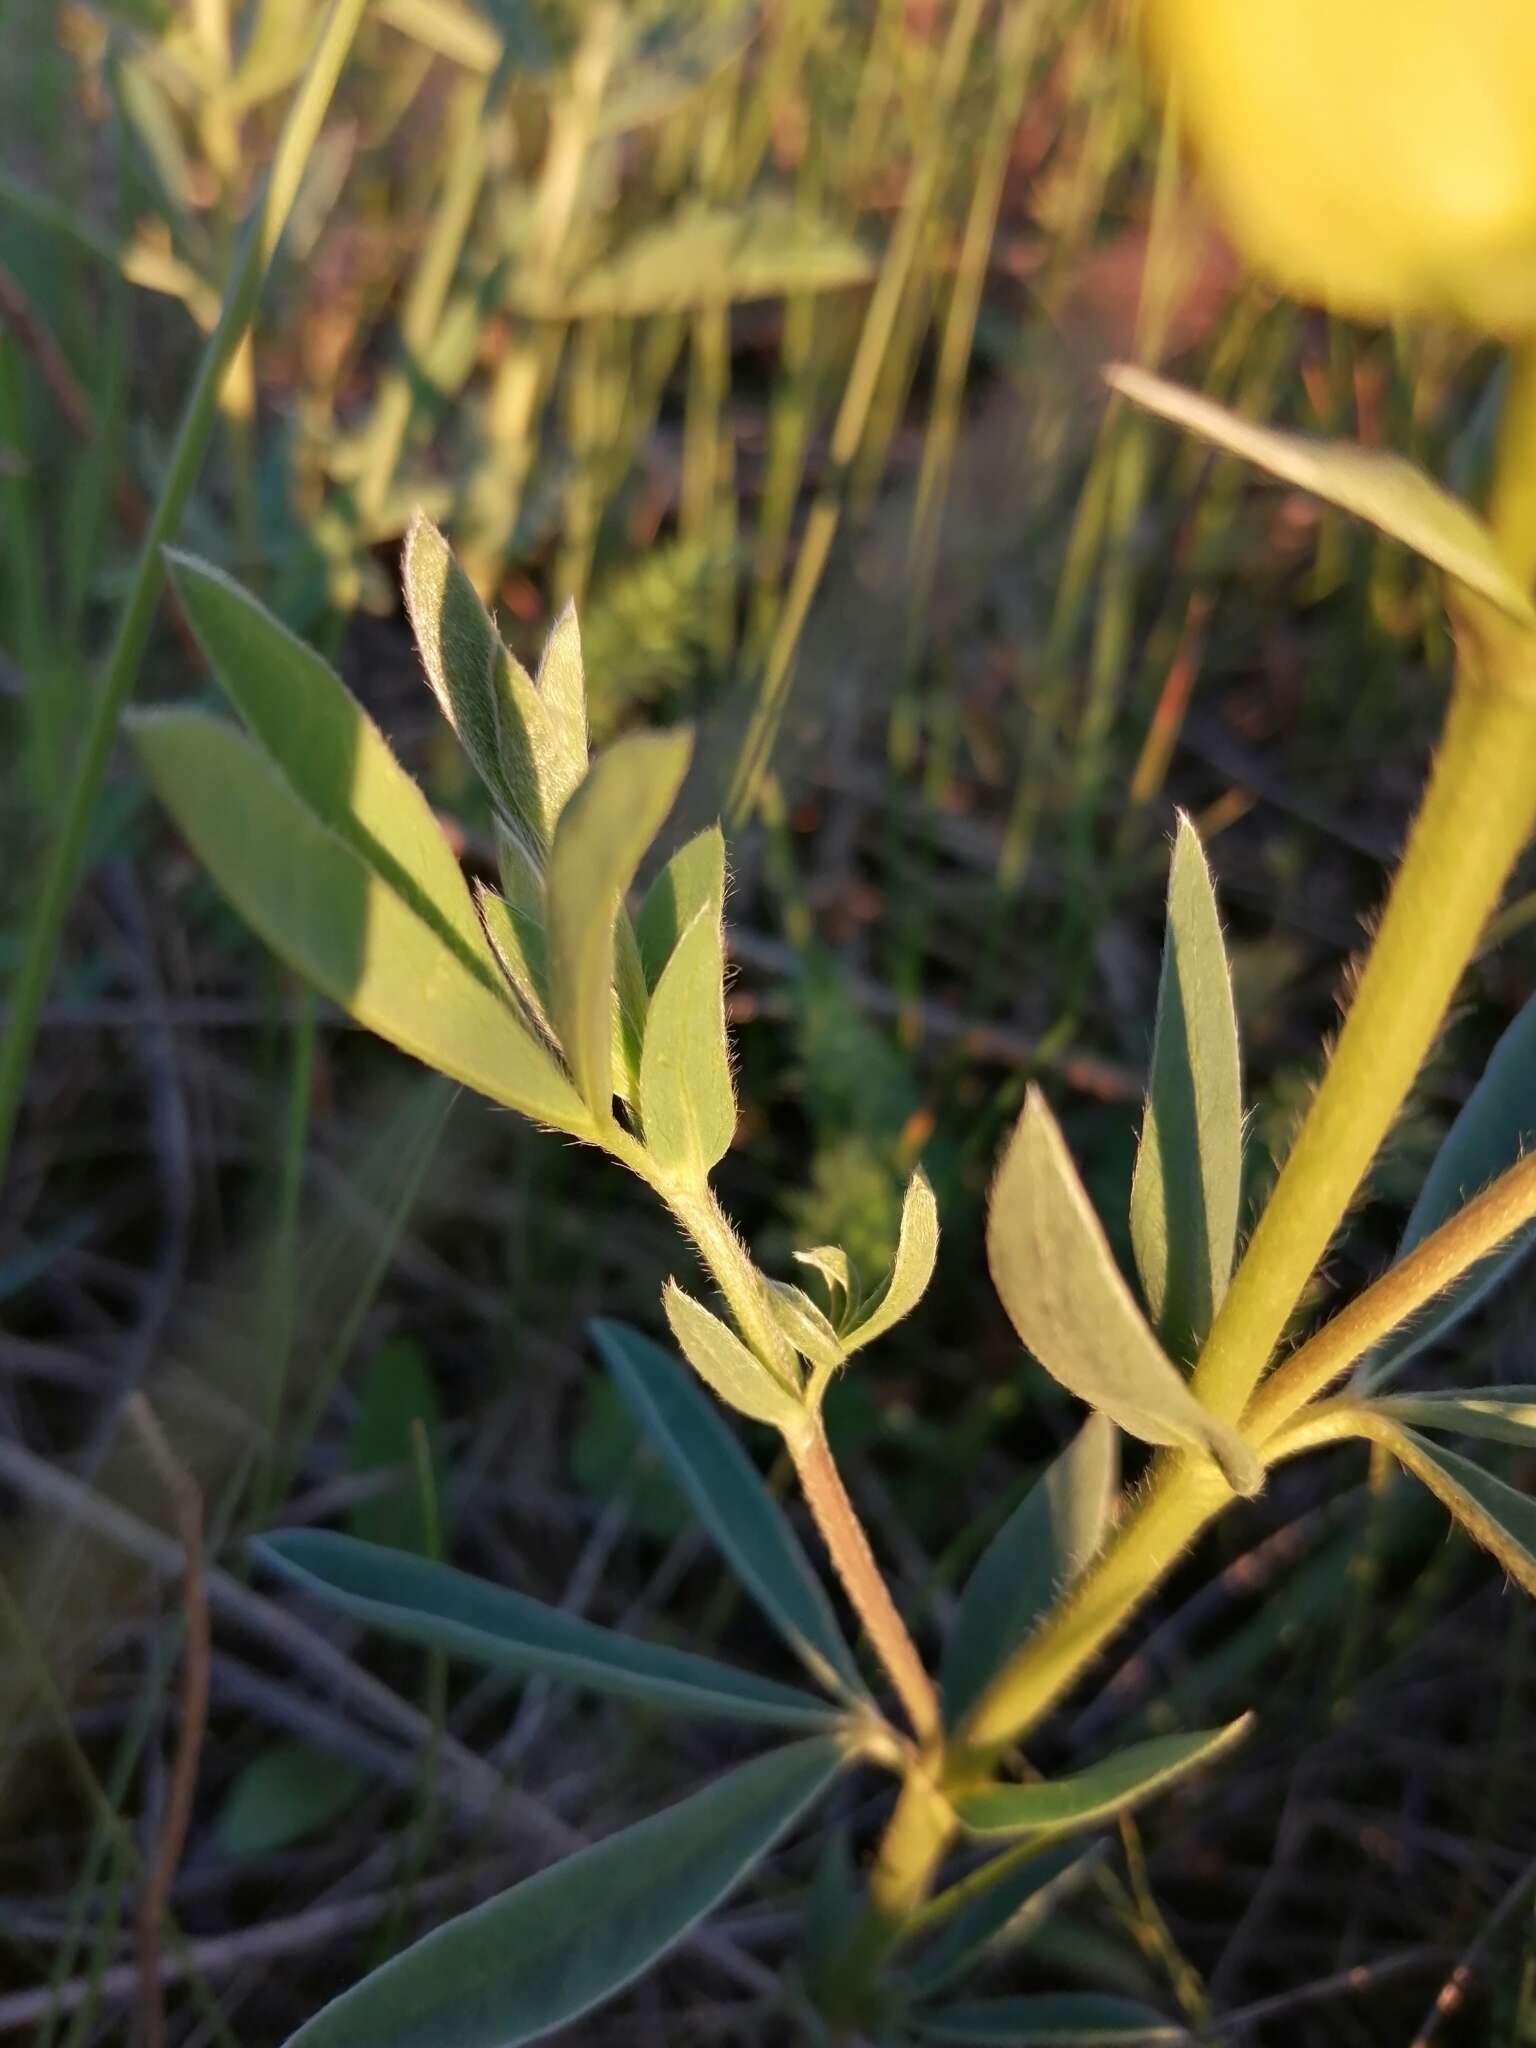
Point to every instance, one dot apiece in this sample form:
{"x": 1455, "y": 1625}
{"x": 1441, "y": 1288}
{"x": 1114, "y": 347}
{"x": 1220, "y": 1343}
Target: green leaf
{"x": 419, "y": 1601}
{"x": 601, "y": 838}
{"x": 1501, "y": 1414}
{"x": 725, "y": 1364}
{"x": 552, "y": 1948}
{"x": 1493, "y": 1514}
{"x": 730, "y": 1499}
{"x": 666, "y": 60}
{"x": 397, "y": 1392}
{"x": 521, "y": 950}
{"x": 330, "y": 751}
{"x": 692, "y": 881}
{"x": 1494, "y": 1129}
{"x": 844, "y": 1295}
{"x": 1021, "y": 1898}
{"x": 1102, "y": 1791}
{"x": 562, "y": 687}
{"x": 530, "y": 765}
{"x": 805, "y": 1326}
{"x": 317, "y": 904}
{"x": 687, "y": 1101}
{"x": 284, "y": 1796}
{"x": 1039, "y": 1551}
{"x": 1054, "y": 2019}
{"x": 1057, "y": 1278}
{"x": 713, "y": 256}
{"x": 1189, "y": 1164}
{"x": 1385, "y": 490}
{"x": 905, "y": 1285}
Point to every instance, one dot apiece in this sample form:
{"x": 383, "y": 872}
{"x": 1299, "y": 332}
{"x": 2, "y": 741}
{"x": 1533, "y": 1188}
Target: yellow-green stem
{"x": 1486, "y": 1222}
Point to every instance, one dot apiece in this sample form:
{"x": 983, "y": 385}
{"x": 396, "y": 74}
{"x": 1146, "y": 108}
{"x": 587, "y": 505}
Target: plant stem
{"x": 848, "y": 1547}
{"x": 263, "y": 232}
{"x": 1477, "y": 814}
{"x": 1486, "y": 1222}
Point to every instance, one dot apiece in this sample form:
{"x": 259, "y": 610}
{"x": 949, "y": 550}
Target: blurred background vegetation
{"x": 769, "y": 333}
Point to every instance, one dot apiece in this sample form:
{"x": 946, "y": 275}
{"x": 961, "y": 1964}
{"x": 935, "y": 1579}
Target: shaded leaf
{"x": 725, "y": 1364}
{"x": 330, "y": 751}
{"x": 316, "y": 903}
{"x": 905, "y": 1285}
{"x": 1039, "y": 1551}
{"x": 518, "y": 941}
{"x": 692, "y": 881}
{"x": 1023, "y": 1896}
{"x": 712, "y": 256}
{"x": 529, "y": 767}
{"x": 397, "y": 1392}
{"x": 1064, "y": 1294}
{"x": 553, "y": 1947}
{"x": 1054, "y": 2019}
{"x": 730, "y": 1498}
{"x": 1100, "y": 1792}
{"x": 1494, "y": 1129}
{"x": 1385, "y": 490}
{"x": 419, "y": 1601}
{"x": 1500, "y": 1414}
{"x": 1492, "y": 1513}
{"x": 805, "y": 1326}
{"x": 837, "y": 1270}
{"x": 687, "y": 1100}
{"x": 602, "y": 836}
{"x": 284, "y": 1796}
{"x": 1189, "y": 1163}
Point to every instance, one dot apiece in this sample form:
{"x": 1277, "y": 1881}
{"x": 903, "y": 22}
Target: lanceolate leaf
{"x": 600, "y": 841}
{"x": 528, "y": 764}
{"x": 1102, "y": 1791}
{"x": 844, "y": 1294}
{"x": 1065, "y": 1296}
{"x": 687, "y": 1101}
{"x": 562, "y": 687}
{"x": 805, "y": 1326}
{"x": 724, "y": 1363}
{"x": 331, "y": 752}
{"x": 1053, "y": 2019}
{"x": 419, "y": 1601}
{"x": 1493, "y": 1514}
{"x": 1500, "y": 1414}
{"x": 1036, "y": 1555}
{"x": 692, "y": 881}
{"x": 552, "y": 1948}
{"x": 1383, "y": 489}
{"x": 729, "y": 1497}
{"x": 1189, "y": 1165}
{"x": 1023, "y": 1896}
{"x": 916, "y": 1250}
{"x": 521, "y": 950}
{"x": 317, "y": 904}
{"x": 1496, "y": 1126}
{"x": 283, "y": 1796}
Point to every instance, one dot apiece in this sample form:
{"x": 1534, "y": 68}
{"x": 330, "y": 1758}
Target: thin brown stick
{"x": 848, "y": 1547}
{"x": 187, "y": 1506}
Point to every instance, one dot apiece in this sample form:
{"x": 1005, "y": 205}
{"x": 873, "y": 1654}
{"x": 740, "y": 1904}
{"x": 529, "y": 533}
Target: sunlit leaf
{"x": 1039, "y": 1551}
{"x": 284, "y": 1796}
{"x": 671, "y": 57}
{"x": 521, "y": 950}
{"x": 687, "y": 1099}
{"x": 1100, "y": 1792}
{"x": 317, "y": 904}
{"x": 916, "y": 1250}
{"x": 1387, "y": 491}
{"x": 1499, "y": 1414}
{"x": 331, "y": 752}
{"x": 1189, "y": 1164}
{"x": 1066, "y": 1297}
{"x": 550, "y": 1949}
{"x": 725, "y": 1364}
{"x": 805, "y": 1326}
{"x": 562, "y": 687}
{"x": 1053, "y": 2019}
{"x": 730, "y": 1499}
{"x": 1494, "y": 1129}
{"x": 692, "y": 881}
{"x": 602, "y": 836}
{"x": 419, "y": 1601}
{"x": 837, "y": 1270}
{"x": 713, "y": 256}
{"x": 1492, "y": 1513}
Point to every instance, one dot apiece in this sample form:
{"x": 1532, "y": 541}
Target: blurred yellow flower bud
{"x": 1377, "y": 155}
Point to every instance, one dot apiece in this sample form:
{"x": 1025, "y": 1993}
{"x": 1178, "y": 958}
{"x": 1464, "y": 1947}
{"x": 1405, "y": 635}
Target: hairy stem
{"x": 848, "y": 1547}
{"x": 1488, "y": 1220}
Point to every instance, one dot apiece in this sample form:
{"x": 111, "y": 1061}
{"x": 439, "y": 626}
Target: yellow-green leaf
{"x": 330, "y": 916}
{"x": 917, "y": 1248}
{"x": 725, "y": 1364}
{"x": 1492, "y": 1513}
{"x": 692, "y": 880}
{"x": 1066, "y": 1297}
{"x": 687, "y": 1101}
{"x": 1100, "y": 1792}
{"x": 1385, "y": 490}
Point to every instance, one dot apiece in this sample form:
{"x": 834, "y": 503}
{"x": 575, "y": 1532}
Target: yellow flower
{"x": 1378, "y": 155}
